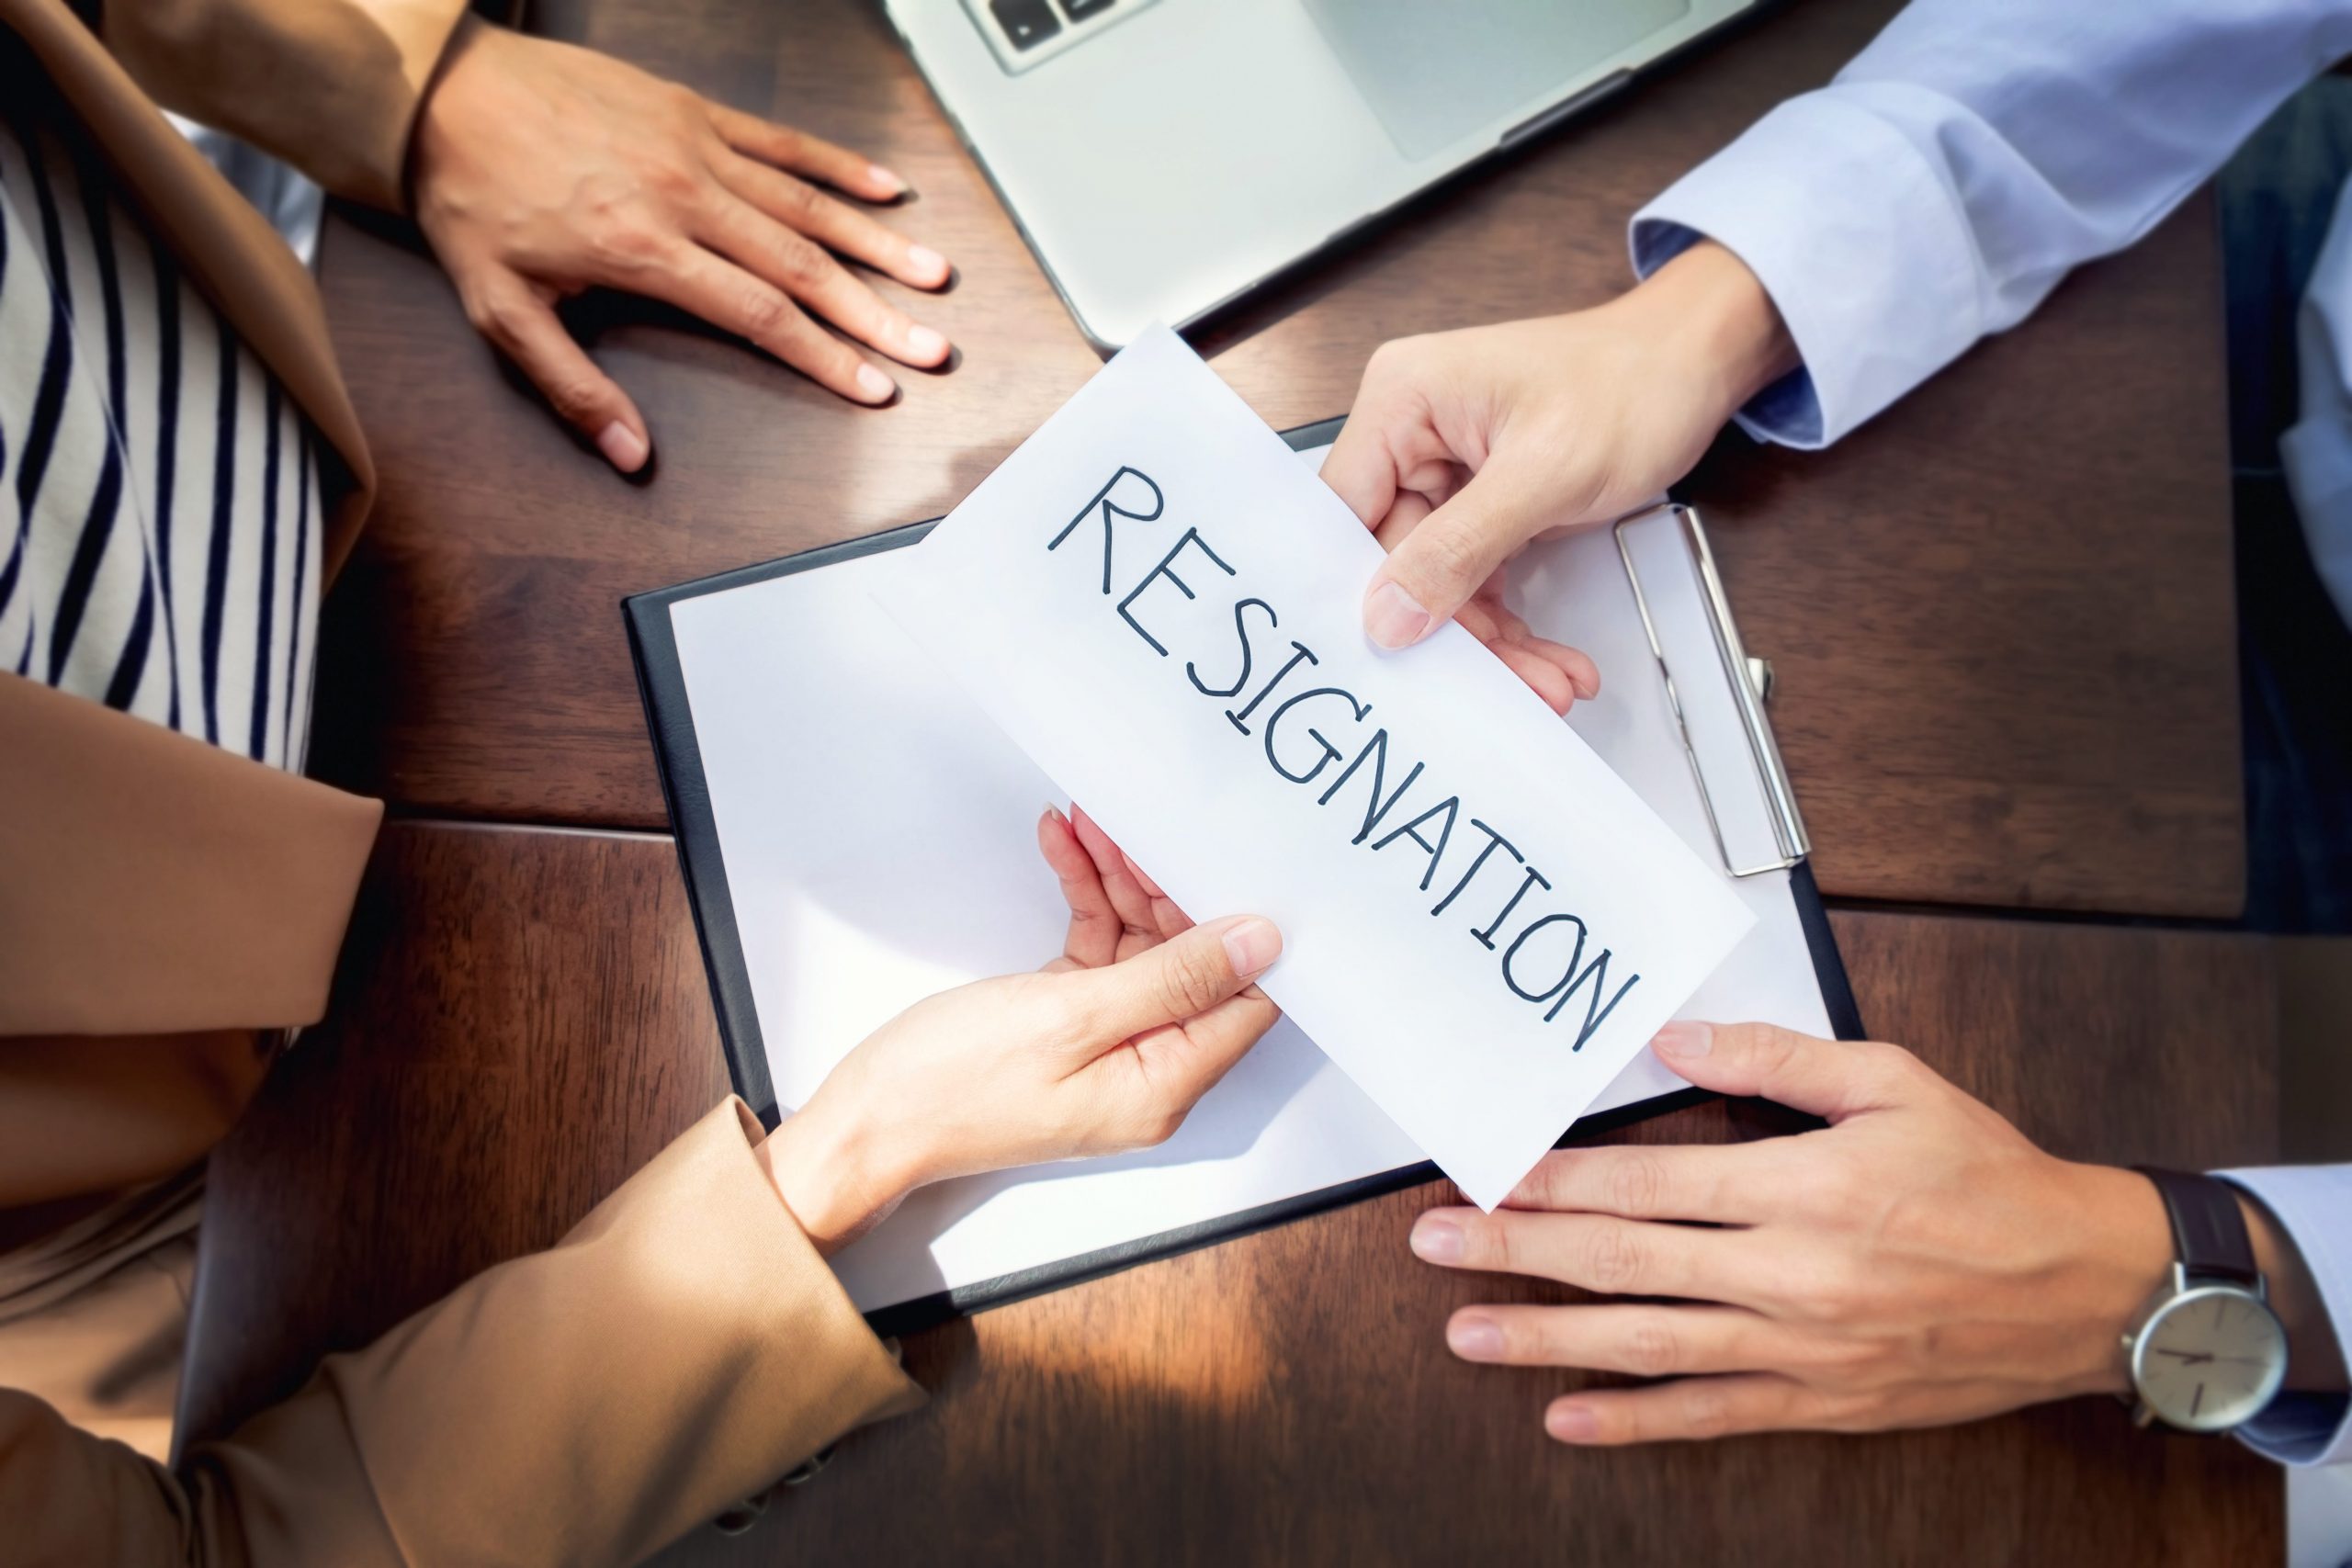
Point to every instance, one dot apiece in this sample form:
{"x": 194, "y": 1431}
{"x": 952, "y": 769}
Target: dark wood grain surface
{"x": 2001, "y": 620}
{"x": 2001, "y": 615}
{"x": 495, "y": 1062}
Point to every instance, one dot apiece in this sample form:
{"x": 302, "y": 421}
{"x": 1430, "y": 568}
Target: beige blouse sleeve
{"x": 504, "y": 1424}
{"x": 332, "y": 86}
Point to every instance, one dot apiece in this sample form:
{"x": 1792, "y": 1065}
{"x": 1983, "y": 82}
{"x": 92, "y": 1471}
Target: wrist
{"x": 2314, "y": 1358}
{"x": 1707, "y": 311}
{"x": 2122, "y": 1256}
{"x": 465, "y": 38}
{"x": 830, "y": 1175}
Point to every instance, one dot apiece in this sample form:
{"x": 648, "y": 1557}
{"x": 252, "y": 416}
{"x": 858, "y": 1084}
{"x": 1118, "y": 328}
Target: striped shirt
{"x": 159, "y": 495}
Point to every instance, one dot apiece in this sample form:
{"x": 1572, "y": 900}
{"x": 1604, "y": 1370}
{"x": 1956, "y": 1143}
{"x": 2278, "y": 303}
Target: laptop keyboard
{"x": 1023, "y": 33}
{"x": 1026, "y": 22}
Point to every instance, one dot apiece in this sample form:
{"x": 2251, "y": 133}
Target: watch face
{"x": 2210, "y": 1358}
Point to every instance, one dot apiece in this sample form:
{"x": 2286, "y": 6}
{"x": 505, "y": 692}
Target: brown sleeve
{"x": 679, "y": 1350}
{"x": 332, "y": 86}
{"x": 151, "y": 884}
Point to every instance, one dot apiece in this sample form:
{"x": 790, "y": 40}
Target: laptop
{"x": 1163, "y": 157}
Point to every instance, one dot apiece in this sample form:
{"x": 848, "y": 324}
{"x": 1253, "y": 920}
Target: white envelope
{"x": 1160, "y": 605}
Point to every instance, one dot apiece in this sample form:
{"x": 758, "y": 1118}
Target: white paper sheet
{"x": 878, "y": 835}
{"x": 1161, "y": 607}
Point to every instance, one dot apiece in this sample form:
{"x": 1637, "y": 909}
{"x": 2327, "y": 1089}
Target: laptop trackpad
{"x": 1435, "y": 70}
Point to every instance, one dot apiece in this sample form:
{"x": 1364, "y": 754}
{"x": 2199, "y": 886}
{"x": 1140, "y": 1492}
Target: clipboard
{"x": 1736, "y": 779}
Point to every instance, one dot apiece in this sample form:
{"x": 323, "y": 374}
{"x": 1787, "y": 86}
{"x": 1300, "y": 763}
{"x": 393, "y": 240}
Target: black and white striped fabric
{"x": 159, "y": 495}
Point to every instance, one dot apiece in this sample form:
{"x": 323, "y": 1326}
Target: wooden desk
{"x": 2002, "y": 621}
{"x": 2001, "y": 615}
{"x": 1283, "y": 1399}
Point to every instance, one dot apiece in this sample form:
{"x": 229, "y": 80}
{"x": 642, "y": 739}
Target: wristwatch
{"x": 2210, "y": 1354}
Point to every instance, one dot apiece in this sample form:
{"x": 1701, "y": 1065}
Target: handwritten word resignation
{"x": 1486, "y": 880}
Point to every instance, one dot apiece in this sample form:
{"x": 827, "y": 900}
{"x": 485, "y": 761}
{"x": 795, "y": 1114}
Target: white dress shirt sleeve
{"x": 2313, "y": 1204}
{"x": 1964, "y": 163}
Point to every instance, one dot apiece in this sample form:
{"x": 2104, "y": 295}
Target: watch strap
{"x": 2208, "y": 1234}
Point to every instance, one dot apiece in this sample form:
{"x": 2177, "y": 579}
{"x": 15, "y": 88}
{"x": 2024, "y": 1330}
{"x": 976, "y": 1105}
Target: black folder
{"x": 669, "y": 718}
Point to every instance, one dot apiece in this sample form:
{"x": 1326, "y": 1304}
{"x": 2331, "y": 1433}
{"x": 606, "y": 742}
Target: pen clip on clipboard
{"x": 1746, "y": 682}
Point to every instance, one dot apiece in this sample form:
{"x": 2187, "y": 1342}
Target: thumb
{"x": 1181, "y": 979}
{"x": 1829, "y": 1079}
{"x": 525, "y": 329}
{"x": 1438, "y": 566}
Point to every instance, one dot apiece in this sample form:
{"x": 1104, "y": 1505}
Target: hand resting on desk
{"x": 541, "y": 170}
{"x": 1915, "y": 1263}
{"x": 1105, "y": 1049}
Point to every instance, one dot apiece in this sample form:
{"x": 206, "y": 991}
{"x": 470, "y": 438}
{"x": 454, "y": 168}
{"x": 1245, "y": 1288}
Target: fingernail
{"x": 1571, "y": 1424}
{"x": 624, "y": 448}
{"x": 1683, "y": 1039}
{"x": 925, "y": 344}
{"x": 1053, "y": 812}
{"x": 1475, "y": 1338}
{"x": 928, "y": 262}
{"x": 1394, "y": 617}
{"x": 1252, "y": 946}
{"x": 877, "y": 386}
{"x": 1436, "y": 1240}
{"x": 887, "y": 178}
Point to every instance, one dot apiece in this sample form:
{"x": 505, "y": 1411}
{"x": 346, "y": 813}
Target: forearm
{"x": 1964, "y": 163}
{"x": 332, "y": 86}
{"x": 679, "y": 1349}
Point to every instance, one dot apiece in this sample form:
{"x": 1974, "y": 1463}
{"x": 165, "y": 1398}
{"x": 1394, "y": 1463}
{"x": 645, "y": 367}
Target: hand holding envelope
{"x": 1483, "y": 922}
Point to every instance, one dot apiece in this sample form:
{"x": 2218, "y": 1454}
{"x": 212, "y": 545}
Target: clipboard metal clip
{"x": 1749, "y": 682}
